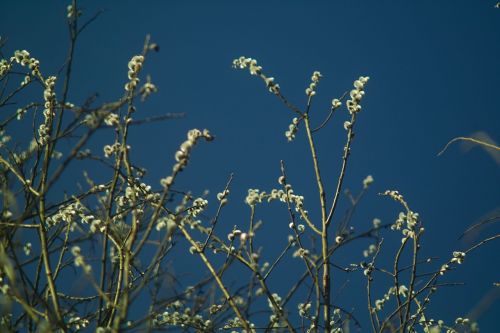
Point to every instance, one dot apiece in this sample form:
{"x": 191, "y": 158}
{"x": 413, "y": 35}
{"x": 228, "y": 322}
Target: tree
{"x": 119, "y": 232}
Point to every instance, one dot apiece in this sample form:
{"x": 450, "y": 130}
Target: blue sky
{"x": 434, "y": 75}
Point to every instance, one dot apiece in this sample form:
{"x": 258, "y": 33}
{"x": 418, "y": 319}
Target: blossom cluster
{"x": 147, "y": 89}
{"x": 276, "y": 310}
{"x": 437, "y": 326}
{"x": 336, "y": 103}
{"x": 23, "y": 58}
{"x": 21, "y": 112}
{"x": 5, "y": 67}
{"x": 301, "y": 253}
{"x": 395, "y": 195}
{"x": 336, "y": 322}
{"x": 357, "y": 94}
{"x": 222, "y": 197}
{"x": 458, "y": 257}
{"x": 49, "y": 97}
{"x": 304, "y": 309}
{"x": 277, "y": 300}
{"x": 238, "y": 233}
{"x": 199, "y": 205}
{"x": 134, "y": 67}
{"x": 136, "y": 191}
{"x": 183, "y": 317}
{"x": 466, "y": 322}
{"x": 251, "y": 64}
{"x": 401, "y": 291}
{"x": 78, "y": 323}
{"x": 112, "y": 149}
{"x": 130, "y": 199}
{"x": 96, "y": 224}
{"x": 167, "y": 222}
{"x": 411, "y": 219}
{"x": 236, "y": 323}
{"x": 27, "y": 248}
{"x": 367, "y": 269}
{"x": 71, "y": 12}
{"x": 288, "y": 196}
{"x": 73, "y": 213}
{"x": 4, "y": 138}
{"x": 66, "y": 214}
{"x": 300, "y": 228}
{"x": 292, "y": 129}
{"x": 80, "y": 260}
{"x": 112, "y": 119}
{"x": 367, "y": 181}
{"x": 254, "y": 196}
{"x": 372, "y": 249}
{"x": 182, "y": 155}
{"x": 443, "y": 269}
{"x": 311, "y": 90}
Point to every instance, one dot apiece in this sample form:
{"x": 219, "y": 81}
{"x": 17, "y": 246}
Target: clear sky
{"x": 434, "y": 75}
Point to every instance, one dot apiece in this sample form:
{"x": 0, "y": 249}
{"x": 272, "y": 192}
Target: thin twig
{"x": 463, "y": 138}
{"x": 330, "y": 114}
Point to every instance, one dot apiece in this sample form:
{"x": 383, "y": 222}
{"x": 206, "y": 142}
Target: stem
{"x": 347, "y": 150}
{"x": 324, "y": 232}
{"x": 217, "y": 279}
